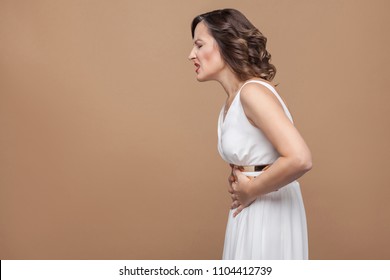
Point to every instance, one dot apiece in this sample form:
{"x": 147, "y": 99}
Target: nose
{"x": 192, "y": 55}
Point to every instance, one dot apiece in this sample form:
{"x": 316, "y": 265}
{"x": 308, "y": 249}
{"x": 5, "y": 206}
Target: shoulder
{"x": 255, "y": 93}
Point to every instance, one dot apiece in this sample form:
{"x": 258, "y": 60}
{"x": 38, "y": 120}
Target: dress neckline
{"x": 224, "y": 116}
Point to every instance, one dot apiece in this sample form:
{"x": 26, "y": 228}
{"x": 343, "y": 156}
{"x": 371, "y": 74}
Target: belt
{"x": 251, "y": 168}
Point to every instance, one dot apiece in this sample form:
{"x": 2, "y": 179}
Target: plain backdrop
{"x": 108, "y": 144}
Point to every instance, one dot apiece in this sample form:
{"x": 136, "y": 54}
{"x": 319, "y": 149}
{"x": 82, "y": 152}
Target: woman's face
{"x": 205, "y": 55}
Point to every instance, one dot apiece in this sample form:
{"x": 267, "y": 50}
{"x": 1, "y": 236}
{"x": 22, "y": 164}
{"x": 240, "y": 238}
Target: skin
{"x": 212, "y": 67}
{"x": 265, "y": 112}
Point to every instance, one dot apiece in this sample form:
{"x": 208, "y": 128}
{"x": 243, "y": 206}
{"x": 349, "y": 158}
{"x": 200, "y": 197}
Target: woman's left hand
{"x": 242, "y": 193}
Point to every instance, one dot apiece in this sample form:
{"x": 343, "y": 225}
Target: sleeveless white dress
{"x": 274, "y": 225}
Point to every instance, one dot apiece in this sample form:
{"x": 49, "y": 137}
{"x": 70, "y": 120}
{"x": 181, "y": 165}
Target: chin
{"x": 202, "y": 79}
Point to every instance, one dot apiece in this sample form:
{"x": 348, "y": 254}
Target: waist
{"x": 251, "y": 168}
{"x": 251, "y": 171}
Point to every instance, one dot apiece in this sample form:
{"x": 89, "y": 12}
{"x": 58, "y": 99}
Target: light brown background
{"x": 108, "y": 142}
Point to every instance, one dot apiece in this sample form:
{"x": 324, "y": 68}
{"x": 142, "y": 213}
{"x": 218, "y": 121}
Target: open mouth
{"x": 197, "y": 66}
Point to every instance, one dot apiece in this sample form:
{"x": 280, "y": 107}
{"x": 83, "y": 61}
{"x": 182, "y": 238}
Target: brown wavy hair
{"x": 241, "y": 44}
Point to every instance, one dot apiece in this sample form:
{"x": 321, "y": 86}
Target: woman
{"x": 256, "y": 136}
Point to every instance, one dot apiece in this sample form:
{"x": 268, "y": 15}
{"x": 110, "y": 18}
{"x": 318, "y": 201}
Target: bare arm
{"x": 265, "y": 112}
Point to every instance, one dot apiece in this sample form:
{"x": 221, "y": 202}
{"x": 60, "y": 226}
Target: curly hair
{"x": 241, "y": 44}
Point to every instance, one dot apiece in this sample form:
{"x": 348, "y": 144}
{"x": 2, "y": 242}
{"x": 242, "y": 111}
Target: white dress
{"x": 274, "y": 225}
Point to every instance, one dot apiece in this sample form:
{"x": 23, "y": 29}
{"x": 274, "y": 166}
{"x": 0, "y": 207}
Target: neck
{"x": 230, "y": 83}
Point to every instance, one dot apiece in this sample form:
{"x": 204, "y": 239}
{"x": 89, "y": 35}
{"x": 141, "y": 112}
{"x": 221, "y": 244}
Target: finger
{"x": 235, "y": 204}
{"x": 237, "y": 173}
{"x": 238, "y": 211}
{"x": 234, "y": 186}
{"x": 239, "y": 176}
{"x": 231, "y": 179}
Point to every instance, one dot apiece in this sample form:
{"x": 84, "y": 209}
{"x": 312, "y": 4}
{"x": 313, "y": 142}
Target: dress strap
{"x": 272, "y": 89}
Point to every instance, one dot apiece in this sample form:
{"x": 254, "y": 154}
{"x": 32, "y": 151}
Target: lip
{"x": 197, "y": 66}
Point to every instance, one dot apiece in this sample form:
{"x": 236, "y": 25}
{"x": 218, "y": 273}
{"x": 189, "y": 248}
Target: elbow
{"x": 307, "y": 165}
{"x": 303, "y": 163}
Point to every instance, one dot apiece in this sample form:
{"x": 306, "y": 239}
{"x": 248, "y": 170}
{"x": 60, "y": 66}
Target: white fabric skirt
{"x": 273, "y": 227}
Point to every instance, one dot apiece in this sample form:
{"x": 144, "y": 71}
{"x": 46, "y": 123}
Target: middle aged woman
{"x": 257, "y": 137}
